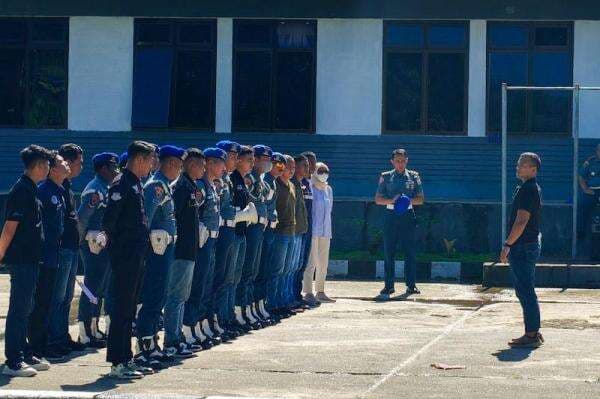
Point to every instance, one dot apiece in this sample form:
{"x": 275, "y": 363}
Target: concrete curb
{"x": 546, "y": 275}
{"x": 29, "y": 394}
{"x": 467, "y": 272}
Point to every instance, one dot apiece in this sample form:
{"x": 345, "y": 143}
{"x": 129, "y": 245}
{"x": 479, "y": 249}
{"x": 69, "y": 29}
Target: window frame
{"x": 273, "y": 51}
{"x": 176, "y": 48}
{"x": 426, "y": 50}
{"x": 529, "y": 50}
{"x": 28, "y": 45}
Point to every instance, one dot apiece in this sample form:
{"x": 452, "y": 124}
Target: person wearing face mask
{"x": 322, "y": 205}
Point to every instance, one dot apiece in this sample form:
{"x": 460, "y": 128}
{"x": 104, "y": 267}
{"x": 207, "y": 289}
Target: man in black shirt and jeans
{"x": 21, "y": 250}
{"x": 522, "y": 247}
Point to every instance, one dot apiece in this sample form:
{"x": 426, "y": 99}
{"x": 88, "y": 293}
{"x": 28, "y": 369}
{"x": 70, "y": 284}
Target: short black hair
{"x": 194, "y": 152}
{"x": 309, "y": 154}
{"x": 300, "y": 158}
{"x": 245, "y": 150}
{"x": 400, "y": 151}
{"x": 34, "y": 154}
{"x": 70, "y": 151}
{"x": 140, "y": 148}
{"x": 533, "y": 159}
{"x": 53, "y": 161}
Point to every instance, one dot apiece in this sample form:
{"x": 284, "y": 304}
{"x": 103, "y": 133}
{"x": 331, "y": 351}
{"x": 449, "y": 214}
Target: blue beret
{"x": 216, "y": 153}
{"x": 171, "y": 151}
{"x": 229, "y": 146}
{"x": 123, "y": 159}
{"x": 401, "y": 205}
{"x": 104, "y": 158}
{"x": 278, "y": 157}
{"x": 260, "y": 150}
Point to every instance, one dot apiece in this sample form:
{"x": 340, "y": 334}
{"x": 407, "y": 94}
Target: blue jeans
{"x": 154, "y": 291}
{"x": 245, "y": 290}
{"x": 23, "y": 278}
{"x": 58, "y": 329}
{"x": 399, "y": 230}
{"x": 96, "y": 276}
{"x": 265, "y": 268}
{"x": 223, "y": 271}
{"x": 179, "y": 286}
{"x": 198, "y": 303}
{"x": 303, "y": 259}
{"x": 279, "y": 250}
{"x": 292, "y": 259}
{"x": 522, "y": 259}
{"x": 238, "y": 254}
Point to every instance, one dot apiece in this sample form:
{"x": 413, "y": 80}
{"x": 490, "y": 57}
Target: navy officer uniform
{"x": 399, "y": 229}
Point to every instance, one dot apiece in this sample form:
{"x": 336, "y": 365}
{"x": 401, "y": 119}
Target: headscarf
{"x": 315, "y": 182}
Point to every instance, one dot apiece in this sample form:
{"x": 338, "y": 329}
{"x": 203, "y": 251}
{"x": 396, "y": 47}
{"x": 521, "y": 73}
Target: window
{"x": 174, "y": 74}
{"x": 530, "y": 54}
{"x": 425, "y": 77}
{"x": 33, "y": 72}
{"x": 274, "y": 75}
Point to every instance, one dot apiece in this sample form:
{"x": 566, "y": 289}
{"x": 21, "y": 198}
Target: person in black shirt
{"x": 21, "y": 250}
{"x": 125, "y": 229}
{"x": 522, "y": 247}
{"x": 59, "y": 340}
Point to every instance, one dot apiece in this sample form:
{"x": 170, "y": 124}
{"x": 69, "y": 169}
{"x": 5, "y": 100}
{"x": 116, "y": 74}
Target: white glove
{"x": 203, "y": 235}
{"x": 97, "y": 241}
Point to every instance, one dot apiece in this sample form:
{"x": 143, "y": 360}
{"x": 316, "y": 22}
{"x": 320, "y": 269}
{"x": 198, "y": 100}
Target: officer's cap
{"x": 278, "y": 157}
{"x": 261, "y": 149}
{"x": 123, "y": 159}
{"x": 104, "y": 158}
{"x": 401, "y": 205}
{"x": 215, "y": 153}
{"x": 171, "y": 151}
{"x": 229, "y": 146}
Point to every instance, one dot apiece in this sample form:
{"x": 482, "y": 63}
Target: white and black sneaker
{"x": 21, "y": 369}
{"x": 38, "y": 364}
{"x": 144, "y": 359}
{"x": 144, "y": 370}
{"x": 180, "y": 351}
{"x": 123, "y": 372}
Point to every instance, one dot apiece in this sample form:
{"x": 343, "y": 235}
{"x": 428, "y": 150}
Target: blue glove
{"x": 401, "y": 205}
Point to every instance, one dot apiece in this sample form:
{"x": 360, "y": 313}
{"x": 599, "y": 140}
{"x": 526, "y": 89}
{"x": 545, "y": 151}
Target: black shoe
{"x": 96, "y": 343}
{"x": 388, "y": 291}
{"x": 206, "y": 344}
{"x": 76, "y": 346}
{"x": 143, "y": 359}
{"x": 412, "y": 290}
{"x": 54, "y": 354}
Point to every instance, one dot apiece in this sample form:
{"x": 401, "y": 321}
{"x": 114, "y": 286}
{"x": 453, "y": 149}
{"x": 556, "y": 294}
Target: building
{"x": 350, "y": 79}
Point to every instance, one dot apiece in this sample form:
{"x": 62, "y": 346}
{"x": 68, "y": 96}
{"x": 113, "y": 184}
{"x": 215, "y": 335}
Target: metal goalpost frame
{"x": 575, "y": 89}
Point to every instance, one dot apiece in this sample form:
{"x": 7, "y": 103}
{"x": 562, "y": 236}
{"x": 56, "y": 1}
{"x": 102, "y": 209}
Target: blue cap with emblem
{"x": 123, "y": 159}
{"x": 261, "y": 149}
{"x": 401, "y": 205}
{"x": 215, "y": 153}
{"x": 104, "y": 158}
{"x": 278, "y": 157}
{"x": 229, "y": 146}
{"x": 171, "y": 151}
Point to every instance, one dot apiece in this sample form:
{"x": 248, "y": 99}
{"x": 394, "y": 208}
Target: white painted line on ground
{"x": 396, "y": 370}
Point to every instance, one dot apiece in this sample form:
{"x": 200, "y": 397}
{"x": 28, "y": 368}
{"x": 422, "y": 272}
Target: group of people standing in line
{"x": 205, "y": 244}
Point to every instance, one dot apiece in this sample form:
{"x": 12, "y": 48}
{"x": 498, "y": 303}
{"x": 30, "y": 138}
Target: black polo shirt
{"x": 241, "y": 198}
{"x": 528, "y": 197}
{"x": 23, "y": 206}
{"x": 188, "y": 199}
{"x": 70, "y": 237}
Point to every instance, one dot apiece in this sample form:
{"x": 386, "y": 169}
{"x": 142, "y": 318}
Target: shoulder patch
{"x": 95, "y": 198}
{"x": 54, "y": 200}
{"x": 116, "y": 196}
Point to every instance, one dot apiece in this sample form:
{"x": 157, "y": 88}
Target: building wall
{"x": 100, "y": 73}
{"x": 349, "y": 76}
{"x": 224, "y": 75}
{"x": 586, "y": 72}
{"x": 477, "y": 77}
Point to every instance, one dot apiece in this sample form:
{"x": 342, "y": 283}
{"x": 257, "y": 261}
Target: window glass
{"x": 253, "y": 90}
{"x": 409, "y": 36}
{"x": 403, "y": 91}
{"x": 447, "y": 36}
{"x": 446, "y": 92}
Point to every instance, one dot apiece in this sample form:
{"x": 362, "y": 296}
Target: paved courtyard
{"x": 358, "y": 348}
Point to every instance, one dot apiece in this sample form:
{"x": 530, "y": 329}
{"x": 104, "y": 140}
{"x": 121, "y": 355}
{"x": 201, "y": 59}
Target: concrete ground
{"x": 358, "y": 348}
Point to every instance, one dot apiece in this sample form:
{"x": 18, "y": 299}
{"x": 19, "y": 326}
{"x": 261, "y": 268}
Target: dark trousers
{"x": 265, "y": 268}
{"x": 400, "y": 231}
{"x": 23, "y": 278}
{"x": 39, "y": 318}
{"x": 304, "y": 253}
{"x": 239, "y": 254}
{"x": 198, "y": 304}
{"x": 282, "y": 244}
{"x": 126, "y": 278}
{"x": 96, "y": 275}
{"x": 62, "y": 297}
{"x": 154, "y": 292}
{"x": 223, "y": 271}
{"x": 522, "y": 259}
{"x": 254, "y": 236}
{"x": 587, "y": 203}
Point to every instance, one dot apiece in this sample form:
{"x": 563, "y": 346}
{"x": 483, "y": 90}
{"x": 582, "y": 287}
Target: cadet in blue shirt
{"x": 160, "y": 211}
{"x": 198, "y": 309}
{"x": 394, "y": 185}
{"x": 96, "y": 266}
{"x": 589, "y": 181}
{"x": 51, "y": 194}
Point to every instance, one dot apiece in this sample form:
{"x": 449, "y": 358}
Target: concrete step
{"x": 547, "y": 275}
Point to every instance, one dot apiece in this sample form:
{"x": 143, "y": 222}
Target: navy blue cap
{"x": 123, "y": 159}
{"x": 104, "y": 158}
{"x": 261, "y": 149}
{"x": 215, "y": 153}
{"x": 171, "y": 151}
{"x": 401, "y": 205}
{"x": 229, "y": 146}
{"x": 278, "y": 157}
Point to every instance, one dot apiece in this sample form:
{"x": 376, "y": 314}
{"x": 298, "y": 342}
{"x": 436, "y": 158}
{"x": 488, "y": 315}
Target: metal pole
{"x": 504, "y": 157}
{"x": 576, "y": 92}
